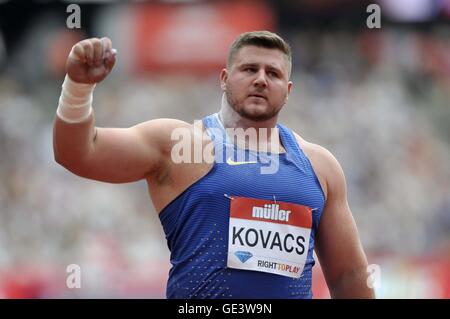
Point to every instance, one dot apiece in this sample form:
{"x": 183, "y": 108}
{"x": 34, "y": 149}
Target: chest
{"x": 282, "y": 180}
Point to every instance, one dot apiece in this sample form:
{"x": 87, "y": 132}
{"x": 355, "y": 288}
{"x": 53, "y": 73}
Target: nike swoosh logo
{"x": 231, "y": 162}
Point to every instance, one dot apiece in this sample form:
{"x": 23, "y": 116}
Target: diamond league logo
{"x": 243, "y": 255}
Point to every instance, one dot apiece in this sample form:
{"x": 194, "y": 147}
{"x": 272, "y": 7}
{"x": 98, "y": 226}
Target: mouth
{"x": 262, "y": 96}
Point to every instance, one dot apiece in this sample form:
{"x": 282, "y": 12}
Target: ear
{"x": 223, "y": 79}
{"x": 288, "y": 91}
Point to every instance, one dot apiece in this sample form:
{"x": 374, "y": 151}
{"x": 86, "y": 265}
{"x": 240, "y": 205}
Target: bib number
{"x": 268, "y": 236}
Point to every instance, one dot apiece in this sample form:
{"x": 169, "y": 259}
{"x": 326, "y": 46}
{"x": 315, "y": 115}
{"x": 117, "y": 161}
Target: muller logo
{"x": 272, "y": 212}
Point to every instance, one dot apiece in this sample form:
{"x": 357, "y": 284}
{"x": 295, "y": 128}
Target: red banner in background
{"x": 192, "y": 38}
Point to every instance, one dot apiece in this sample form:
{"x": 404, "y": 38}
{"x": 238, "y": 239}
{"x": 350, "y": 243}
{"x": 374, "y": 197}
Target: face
{"x": 257, "y": 83}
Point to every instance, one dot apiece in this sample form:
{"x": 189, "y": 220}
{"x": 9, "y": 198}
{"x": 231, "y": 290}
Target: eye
{"x": 273, "y": 73}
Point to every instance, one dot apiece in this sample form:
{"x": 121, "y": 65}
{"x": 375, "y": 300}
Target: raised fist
{"x": 91, "y": 60}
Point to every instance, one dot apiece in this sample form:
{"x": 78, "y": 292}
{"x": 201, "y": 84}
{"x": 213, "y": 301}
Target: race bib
{"x": 268, "y": 236}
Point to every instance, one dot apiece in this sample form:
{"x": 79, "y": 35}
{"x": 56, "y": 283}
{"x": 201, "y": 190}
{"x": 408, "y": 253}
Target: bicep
{"x": 121, "y": 155}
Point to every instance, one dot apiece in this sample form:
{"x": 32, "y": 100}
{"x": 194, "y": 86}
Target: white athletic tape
{"x": 75, "y": 102}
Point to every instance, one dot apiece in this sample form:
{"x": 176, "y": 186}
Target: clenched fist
{"x": 91, "y": 60}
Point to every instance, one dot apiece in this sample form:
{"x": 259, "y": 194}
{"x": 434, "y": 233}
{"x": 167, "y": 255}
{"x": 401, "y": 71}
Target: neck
{"x": 231, "y": 119}
{"x": 265, "y": 131}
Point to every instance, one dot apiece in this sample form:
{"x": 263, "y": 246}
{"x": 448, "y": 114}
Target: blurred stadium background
{"x": 379, "y": 99}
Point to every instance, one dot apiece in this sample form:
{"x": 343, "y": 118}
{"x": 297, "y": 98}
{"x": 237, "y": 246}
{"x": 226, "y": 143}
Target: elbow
{"x": 65, "y": 162}
{"x": 70, "y": 157}
{"x": 73, "y": 164}
{"x": 60, "y": 158}
{"x": 352, "y": 284}
{"x": 56, "y": 156}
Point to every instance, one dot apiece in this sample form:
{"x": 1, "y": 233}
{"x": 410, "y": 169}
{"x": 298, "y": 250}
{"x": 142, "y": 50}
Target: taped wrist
{"x": 75, "y": 102}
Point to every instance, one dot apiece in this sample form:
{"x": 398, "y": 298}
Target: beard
{"x": 242, "y": 110}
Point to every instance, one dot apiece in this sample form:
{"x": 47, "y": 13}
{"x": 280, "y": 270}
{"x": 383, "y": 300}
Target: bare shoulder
{"x": 161, "y": 131}
{"x": 171, "y": 135}
{"x": 161, "y": 125}
{"x": 325, "y": 164}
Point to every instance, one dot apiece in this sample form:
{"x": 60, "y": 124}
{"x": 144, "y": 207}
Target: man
{"x": 233, "y": 230}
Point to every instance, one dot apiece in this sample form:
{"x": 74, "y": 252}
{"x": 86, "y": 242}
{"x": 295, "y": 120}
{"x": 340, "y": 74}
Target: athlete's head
{"x": 256, "y": 78}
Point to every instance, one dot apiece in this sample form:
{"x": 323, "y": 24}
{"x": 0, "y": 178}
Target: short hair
{"x": 263, "y": 39}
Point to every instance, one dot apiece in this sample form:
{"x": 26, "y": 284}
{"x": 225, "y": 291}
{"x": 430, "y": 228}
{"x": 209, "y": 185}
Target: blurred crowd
{"x": 380, "y": 102}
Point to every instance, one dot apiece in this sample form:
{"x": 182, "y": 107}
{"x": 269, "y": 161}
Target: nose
{"x": 260, "y": 80}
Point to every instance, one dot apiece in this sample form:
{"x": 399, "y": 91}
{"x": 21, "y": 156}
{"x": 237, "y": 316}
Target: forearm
{"x": 72, "y": 142}
{"x": 74, "y": 131}
{"x": 352, "y": 285}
